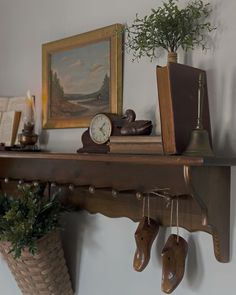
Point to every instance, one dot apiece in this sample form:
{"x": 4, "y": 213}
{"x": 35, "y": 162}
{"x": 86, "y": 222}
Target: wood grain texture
{"x": 144, "y": 237}
{"x": 173, "y": 263}
{"x": 137, "y": 159}
{"x": 202, "y": 186}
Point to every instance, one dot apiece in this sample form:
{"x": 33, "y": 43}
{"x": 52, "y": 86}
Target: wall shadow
{"x": 160, "y": 242}
{"x": 75, "y": 225}
{"x": 43, "y": 139}
{"x": 194, "y": 265}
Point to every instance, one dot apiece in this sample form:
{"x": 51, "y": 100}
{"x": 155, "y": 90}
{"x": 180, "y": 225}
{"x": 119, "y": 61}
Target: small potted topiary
{"x": 31, "y": 243}
{"x": 170, "y": 27}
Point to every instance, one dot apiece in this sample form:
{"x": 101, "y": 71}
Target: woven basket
{"x": 44, "y": 273}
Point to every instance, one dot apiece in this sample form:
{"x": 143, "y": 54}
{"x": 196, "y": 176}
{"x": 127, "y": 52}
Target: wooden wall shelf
{"x": 202, "y": 186}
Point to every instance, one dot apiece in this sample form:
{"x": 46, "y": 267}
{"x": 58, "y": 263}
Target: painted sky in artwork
{"x": 82, "y": 70}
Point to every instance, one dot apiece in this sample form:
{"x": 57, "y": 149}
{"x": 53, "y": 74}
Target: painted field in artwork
{"x": 80, "y": 81}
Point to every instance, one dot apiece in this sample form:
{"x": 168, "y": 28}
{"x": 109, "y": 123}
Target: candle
{"x": 29, "y": 112}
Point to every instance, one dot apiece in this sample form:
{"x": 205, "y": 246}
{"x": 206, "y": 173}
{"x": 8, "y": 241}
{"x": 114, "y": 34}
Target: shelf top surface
{"x": 123, "y": 158}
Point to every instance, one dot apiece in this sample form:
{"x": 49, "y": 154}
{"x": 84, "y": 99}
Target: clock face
{"x": 100, "y": 128}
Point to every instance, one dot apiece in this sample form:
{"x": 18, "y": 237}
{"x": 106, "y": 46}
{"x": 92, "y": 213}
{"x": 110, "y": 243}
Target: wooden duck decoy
{"x": 173, "y": 262}
{"x": 144, "y": 236}
{"x": 138, "y": 127}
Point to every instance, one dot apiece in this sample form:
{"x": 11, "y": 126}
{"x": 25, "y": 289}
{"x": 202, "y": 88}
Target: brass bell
{"x": 199, "y": 144}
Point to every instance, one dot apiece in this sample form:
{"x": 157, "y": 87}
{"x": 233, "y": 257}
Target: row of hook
{"x": 163, "y": 193}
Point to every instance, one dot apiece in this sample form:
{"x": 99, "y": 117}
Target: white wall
{"x": 100, "y": 250}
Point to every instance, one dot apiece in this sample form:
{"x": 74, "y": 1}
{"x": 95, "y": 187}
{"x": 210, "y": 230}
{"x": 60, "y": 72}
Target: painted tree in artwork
{"x": 104, "y": 91}
{"x": 57, "y": 92}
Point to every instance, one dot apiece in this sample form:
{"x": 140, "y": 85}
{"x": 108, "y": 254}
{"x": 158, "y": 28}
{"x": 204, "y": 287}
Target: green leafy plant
{"x": 28, "y": 217}
{"x": 170, "y": 27}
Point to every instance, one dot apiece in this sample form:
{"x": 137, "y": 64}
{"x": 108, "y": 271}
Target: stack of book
{"x": 141, "y": 144}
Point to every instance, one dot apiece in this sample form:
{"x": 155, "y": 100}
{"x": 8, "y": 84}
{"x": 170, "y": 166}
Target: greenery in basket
{"x": 28, "y": 217}
{"x": 170, "y": 27}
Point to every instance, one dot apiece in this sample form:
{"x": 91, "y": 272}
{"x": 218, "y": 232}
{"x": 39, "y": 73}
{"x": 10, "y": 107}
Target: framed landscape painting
{"x": 82, "y": 76}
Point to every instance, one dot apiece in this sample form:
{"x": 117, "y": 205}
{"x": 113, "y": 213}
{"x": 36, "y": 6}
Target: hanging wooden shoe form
{"x": 144, "y": 237}
{"x": 173, "y": 258}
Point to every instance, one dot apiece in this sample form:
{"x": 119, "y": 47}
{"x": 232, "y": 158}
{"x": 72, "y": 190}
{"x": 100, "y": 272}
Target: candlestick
{"x": 29, "y": 112}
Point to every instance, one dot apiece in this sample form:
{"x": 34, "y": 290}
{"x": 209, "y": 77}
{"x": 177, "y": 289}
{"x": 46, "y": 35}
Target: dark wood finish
{"x": 136, "y": 148}
{"x": 121, "y": 125}
{"x": 143, "y": 145}
{"x": 178, "y": 100}
{"x": 201, "y": 184}
{"x": 144, "y": 237}
{"x": 173, "y": 263}
{"x": 138, "y": 127}
{"x": 89, "y": 146}
{"x": 112, "y": 158}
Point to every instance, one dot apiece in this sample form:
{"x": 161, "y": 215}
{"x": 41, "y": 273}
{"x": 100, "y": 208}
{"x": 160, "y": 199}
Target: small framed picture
{"x": 82, "y": 76}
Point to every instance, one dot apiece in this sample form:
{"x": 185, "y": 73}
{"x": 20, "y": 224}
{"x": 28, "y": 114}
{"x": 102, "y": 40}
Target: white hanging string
{"x": 148, "y": 210}
{"x": 177, "y": 218}
{"x": 143, "y": 211}
{"x": 171, "y": 213}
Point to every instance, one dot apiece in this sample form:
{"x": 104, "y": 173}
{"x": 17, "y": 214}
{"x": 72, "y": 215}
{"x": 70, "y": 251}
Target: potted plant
{"x": 169, "y": 27}
{"x": 30, "y": 241}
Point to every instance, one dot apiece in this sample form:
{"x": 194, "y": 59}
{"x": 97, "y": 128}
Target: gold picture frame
{"x": 82, "y": 76}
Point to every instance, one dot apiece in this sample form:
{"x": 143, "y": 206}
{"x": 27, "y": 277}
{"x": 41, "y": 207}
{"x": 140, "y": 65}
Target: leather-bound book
{"x": 178, "y": 102}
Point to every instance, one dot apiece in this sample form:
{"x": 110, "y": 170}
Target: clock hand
{"x": 101, "y": 129}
